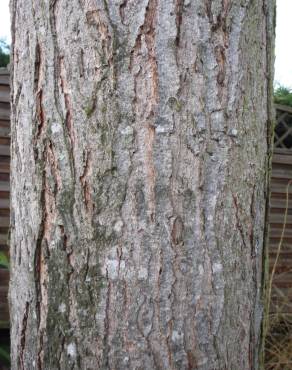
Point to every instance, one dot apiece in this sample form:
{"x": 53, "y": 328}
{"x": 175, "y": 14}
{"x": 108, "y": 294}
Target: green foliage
{"x": 283, "y": 95}
{"x": 4, "y": 53}
{"x": 4, "y": 261}
{"x": 4, "y": 355}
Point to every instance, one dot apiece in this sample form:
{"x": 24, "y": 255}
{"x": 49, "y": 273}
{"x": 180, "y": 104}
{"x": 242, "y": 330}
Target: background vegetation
{"x": 4, "y": 53}
{"x": 283, "y": 95}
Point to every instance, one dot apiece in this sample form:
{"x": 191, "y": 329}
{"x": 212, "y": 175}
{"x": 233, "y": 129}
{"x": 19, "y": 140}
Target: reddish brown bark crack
{"x": 81, "y": 63}
{"x": 64, "y": 237}
{"x": 122, "y": 10}
{"x": 41, "y": 119}
{"x": 37, "y": 268}
{"x": 120, "y": 256}
{"x": 38, "y": 80}
{"x": 106, "y": 345}
{"x": 218, "y": 21}
{"x": 65, "y": 91}
{"x": 251, "y": 224}
{"x": 178, "y": 19}
{"x": 208, "y": 4}
{"x": 37, "y": 67}
{"x": 177, "y": 231}
{"x": 97, "y": 19}
{"x": 49, "y": 197}
{"x": 150, "y": 171}
{"x": 41, "y": 275}
{"x": 192, "y": 361}
{"x": 84, "y": 179}
{"x": 149, "y": 31}
{"x": 218, "y": 24}
{"x": 94, "y": 18}
{"x": 42, "y": 252}
{"x": 238, "y": 222}
{"x": 221, "y": 60}
{"x": 23, "y": 336}
{"x": 62, "y": 345}
{"x": 40, "y": 355}
{"x": 52, "y": 162}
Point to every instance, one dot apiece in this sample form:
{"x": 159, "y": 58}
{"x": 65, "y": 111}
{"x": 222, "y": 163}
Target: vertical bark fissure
{"x": 147, "y": 87}
{"x": 238, "y": 221}
{"x": 42, "y": 253}
{"x": 106, "y": 345}
{"x": 122, "y": 8}
{"x": 56, "y": 67}
{"x": 68, "y": 104}
{"x": 22, "y": 336}
{"x": 84, "y": 179}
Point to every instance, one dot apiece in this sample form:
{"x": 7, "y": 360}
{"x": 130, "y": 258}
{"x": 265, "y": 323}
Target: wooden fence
{"x": 4, "y": 188}
{"x": 280, "y": 204}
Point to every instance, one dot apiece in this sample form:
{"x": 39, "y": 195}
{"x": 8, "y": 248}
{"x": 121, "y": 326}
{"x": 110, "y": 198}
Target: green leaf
{"x": 4, "y": 260}
{"x": 4, "y": 355}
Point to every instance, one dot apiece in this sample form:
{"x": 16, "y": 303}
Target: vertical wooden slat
{"x": 4, "y": 189}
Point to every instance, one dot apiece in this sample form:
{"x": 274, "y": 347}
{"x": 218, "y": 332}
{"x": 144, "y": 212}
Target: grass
{"x": 278, "y": 343}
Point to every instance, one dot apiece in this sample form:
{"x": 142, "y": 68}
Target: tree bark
{"x": 140, "y": 133}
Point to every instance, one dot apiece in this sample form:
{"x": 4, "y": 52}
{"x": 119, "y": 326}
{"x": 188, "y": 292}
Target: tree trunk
{"x": 140, "y": 132}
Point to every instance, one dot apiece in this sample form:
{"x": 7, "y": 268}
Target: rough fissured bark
{"x": 139, "y": 159}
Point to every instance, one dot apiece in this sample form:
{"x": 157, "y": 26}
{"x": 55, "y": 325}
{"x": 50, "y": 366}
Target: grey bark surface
{"x": 140, "y": 133}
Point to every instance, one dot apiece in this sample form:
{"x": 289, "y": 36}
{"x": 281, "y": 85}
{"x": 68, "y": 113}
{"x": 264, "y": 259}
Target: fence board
{"x": 4, "y": 189}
